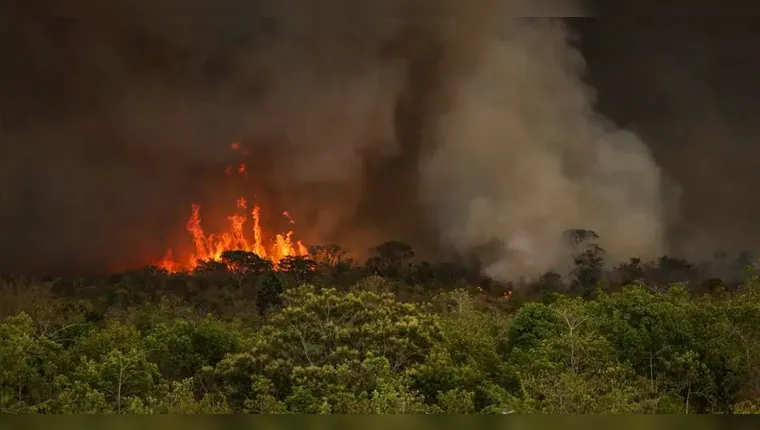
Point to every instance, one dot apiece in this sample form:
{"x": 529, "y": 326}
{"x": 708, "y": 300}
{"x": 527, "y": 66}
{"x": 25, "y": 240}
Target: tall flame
{"x": 212, "y": 246}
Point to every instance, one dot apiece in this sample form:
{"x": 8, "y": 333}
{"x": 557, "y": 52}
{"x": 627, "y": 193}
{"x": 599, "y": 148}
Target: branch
{"x": 303, "y": 343}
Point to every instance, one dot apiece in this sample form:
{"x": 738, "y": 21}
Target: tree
{"x": 114, "y": 361}
{"x": 669, "y": 339}
{"x": 209, "y": 267}
{"x": 671, "y": 270}
{"x": 318, "y": 343}
{"x": 587, "y": 256}
{"x": 269, "y": 291}
{"x": 389, "y": 258}
{"x": 550, "y": 282}
{"x": 179, "y": 397}
{"x": 28, "y": 365}
{"x": 298, "y": 265}
{"x": 246, "y": 262}
{"x": 327, "y": 257}
{"x": 421, "y": 273}
{"x": 588, "y": 269}
{"x": 460, "y": 369}
{"x": 629, "y": 272}
{"x": 123, "y": 375}
{"x": 182, "y": 347}
{"x": 578, "y": 240}
{"x": 565, "y": 365}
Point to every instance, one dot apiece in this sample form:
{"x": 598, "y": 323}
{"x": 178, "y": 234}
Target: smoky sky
{"x": 687, "y": 86}
{"x": 117, "y": 115}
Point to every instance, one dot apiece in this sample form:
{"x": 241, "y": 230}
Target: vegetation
{"x": 323, "y": 334}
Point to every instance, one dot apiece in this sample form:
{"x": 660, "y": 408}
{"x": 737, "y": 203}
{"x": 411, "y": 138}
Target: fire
{"x": 212, "y": 246}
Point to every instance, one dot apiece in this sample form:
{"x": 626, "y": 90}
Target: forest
{"x": 326, "y": 334}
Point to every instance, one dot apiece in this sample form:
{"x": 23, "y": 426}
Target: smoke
{"x": 445, "y": 126}
{"x": 522, "y": 156}
{"x": 686, "y": 85}
{"x": 117, "y": 116}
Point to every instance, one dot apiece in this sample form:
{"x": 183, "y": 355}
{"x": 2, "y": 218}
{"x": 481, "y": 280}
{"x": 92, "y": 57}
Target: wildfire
{"x": 212, "y": 246}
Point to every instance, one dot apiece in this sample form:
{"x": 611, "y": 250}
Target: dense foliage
{"x": 322, "y": 334}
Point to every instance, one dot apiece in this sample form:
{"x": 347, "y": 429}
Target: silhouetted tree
{"x": 421, "y": 273}
{"x": 549, "y": 282}
{"x": 589, "y": 268}
{"x": 389, "y": 258}
{"x": 298, "y": 265}
{"x": 713, "y": 286}
{"x": 629, "y": 272}
{"x": 451, "y": 273}
{"x": 578, "y": 240}
{"x": 327, "y": 256}
{"x": 210, "y": 266}
{"x": 671, "y": 269}
{"x": 246, "y": 262}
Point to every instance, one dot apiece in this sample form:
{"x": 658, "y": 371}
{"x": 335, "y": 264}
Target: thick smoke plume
{"x": 687, "y": 85}
{"x": 523, "y": 156}
{"x": 452, "y": 128}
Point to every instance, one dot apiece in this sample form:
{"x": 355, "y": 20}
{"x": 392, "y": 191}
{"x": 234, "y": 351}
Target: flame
{"x": 212, "y": 246}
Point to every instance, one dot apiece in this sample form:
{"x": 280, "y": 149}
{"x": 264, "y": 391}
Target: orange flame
{"x": 212, "y": 246}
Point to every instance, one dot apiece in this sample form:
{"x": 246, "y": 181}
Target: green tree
{"x": 122, "y": 375}
{"x": 467, "y": 360}
{"x": 114, "y": 361}
{"x": 668, "y": 341}
{"x": 180, "y": 398}
{"x": 320, "y": 341}
{"x": 181, "y": 348}
{"x": 269, "y": 291}
{"x": 29, "y": 364}
{"x": 565, "y": 365}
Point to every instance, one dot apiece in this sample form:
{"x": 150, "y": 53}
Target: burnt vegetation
{"x": 325, "y": 333}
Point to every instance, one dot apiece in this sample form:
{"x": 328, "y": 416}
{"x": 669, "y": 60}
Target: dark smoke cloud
{"x": 118, "y": 114}
{"x": 687, "y": 85}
